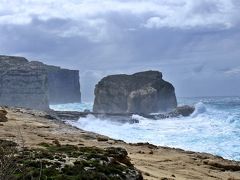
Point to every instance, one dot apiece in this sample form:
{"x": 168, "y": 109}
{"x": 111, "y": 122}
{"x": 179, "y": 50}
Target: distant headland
{"x": 35, "y": 85}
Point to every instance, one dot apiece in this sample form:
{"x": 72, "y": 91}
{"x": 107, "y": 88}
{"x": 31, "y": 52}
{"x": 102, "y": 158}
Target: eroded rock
{"x": 182, "y": 110}
{"x": 142, "y": 93}
{"x": 34, "y": 84}
{"x": 3, "y": 114}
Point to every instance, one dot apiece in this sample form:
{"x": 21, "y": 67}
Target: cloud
{"x": 92, "y": 18}
{"x": 192, "y": 14}
{"x": 188, "y": 40}
{"x": 198, "y": 69}
{"x": 153, "y": 13}
{"x": 233, "y": 71}
{"x": 94, "y": 29}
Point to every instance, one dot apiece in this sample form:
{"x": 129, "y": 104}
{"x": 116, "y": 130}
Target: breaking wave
{"x": 214, "y": 127}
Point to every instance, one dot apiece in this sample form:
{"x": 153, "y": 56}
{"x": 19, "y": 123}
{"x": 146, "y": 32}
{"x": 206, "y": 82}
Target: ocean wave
{"x": 138, "y": 117}
{"x": 72, "y": 106}
{"x": 200, "y": 108}
{"x": 214, "y": 127}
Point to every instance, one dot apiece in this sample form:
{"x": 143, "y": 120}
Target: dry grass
{"x": 12, "y": 153}
{"x": 8, "y": 159}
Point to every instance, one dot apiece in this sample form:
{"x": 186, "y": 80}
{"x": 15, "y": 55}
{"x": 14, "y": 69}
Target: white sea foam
{"x": 138, "y": 117}
{"x": 72, "y": 107}
{"x": 214, "y": 127}
{"x": 199, "y": 109}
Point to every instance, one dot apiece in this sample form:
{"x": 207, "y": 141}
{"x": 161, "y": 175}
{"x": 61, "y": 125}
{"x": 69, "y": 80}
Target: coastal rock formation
{"x": 24, "y": 86}
{"x": 63, "y": 84}
{"x": 184, "y": 110}
{"x": 177, "y": 112}
{"x": 126, "y": 117}
{"x": 35, "y": 85}
{"x": 143, "y": 93}
{"x": 3, "y": 114}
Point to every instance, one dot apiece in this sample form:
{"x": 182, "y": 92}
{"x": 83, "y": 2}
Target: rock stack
{"x": 142, "y": 93}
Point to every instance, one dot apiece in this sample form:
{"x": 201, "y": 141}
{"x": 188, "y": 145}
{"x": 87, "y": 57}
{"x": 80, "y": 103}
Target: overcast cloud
{"x": 195, "y": 43}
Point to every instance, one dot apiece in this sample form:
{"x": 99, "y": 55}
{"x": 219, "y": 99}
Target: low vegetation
{"x": 64, "y": 162}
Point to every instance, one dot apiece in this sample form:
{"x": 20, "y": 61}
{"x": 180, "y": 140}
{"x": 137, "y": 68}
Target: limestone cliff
{"x": 63, "y": 86}
{"x": 35, "y": 85}
{"x": 144, "y": 92}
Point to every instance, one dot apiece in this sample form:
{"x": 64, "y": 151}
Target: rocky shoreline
{"x": 36, "y": 128}
{"x": 123, "y": 117}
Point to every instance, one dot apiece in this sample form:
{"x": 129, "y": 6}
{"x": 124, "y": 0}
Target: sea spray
{"x": 199, "y": 109}
{"x": 214, "y": 127}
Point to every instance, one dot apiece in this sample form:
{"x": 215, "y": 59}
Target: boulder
{"x": 177, "y": 112}
{"x": 142, "y": 93}
{"x": 3, "y": 114}
{"x": 184, "y": 110}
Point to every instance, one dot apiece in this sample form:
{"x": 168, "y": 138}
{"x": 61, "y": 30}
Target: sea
{"x": 214, "y": 127}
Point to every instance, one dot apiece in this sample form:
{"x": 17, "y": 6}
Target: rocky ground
{"x": 36, "y": 130}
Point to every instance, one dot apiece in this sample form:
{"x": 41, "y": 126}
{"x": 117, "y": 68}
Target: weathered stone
{"x": 184, "y": 110}
{"x": 3, "y": 114}
{"x": 35, "y": 85}
{"x": 24, "y": 86}
{"x": 179, "y": 111}
{"x": 143, "y": 100}
{"x": 63, "y": 84}
{"x": 124, "y": 117}
{"x": 143, "y": 93}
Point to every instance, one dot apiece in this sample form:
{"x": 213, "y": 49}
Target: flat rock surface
{"x": 31, "y": 128}
{"x": 124, "y": 117}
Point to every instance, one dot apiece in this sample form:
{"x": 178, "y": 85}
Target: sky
{"x": 194, "y": 43}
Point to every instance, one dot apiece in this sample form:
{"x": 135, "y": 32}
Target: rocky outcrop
{"x": 142, "y": 93}
{"x": 177, "y": 112}
{"x": 183, "y": 110}
{"x": 35, "y": 85}
{"x": 24, "y": 86}
{"x": 3, "y": 114}
{"x": 122, "y": 117}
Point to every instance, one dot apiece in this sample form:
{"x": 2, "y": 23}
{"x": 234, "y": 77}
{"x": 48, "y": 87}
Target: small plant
{"x": 8, "y": 159}
{"x": 65, "y": 162}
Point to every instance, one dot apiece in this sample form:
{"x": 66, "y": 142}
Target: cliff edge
{"x": 36, "y": 85}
